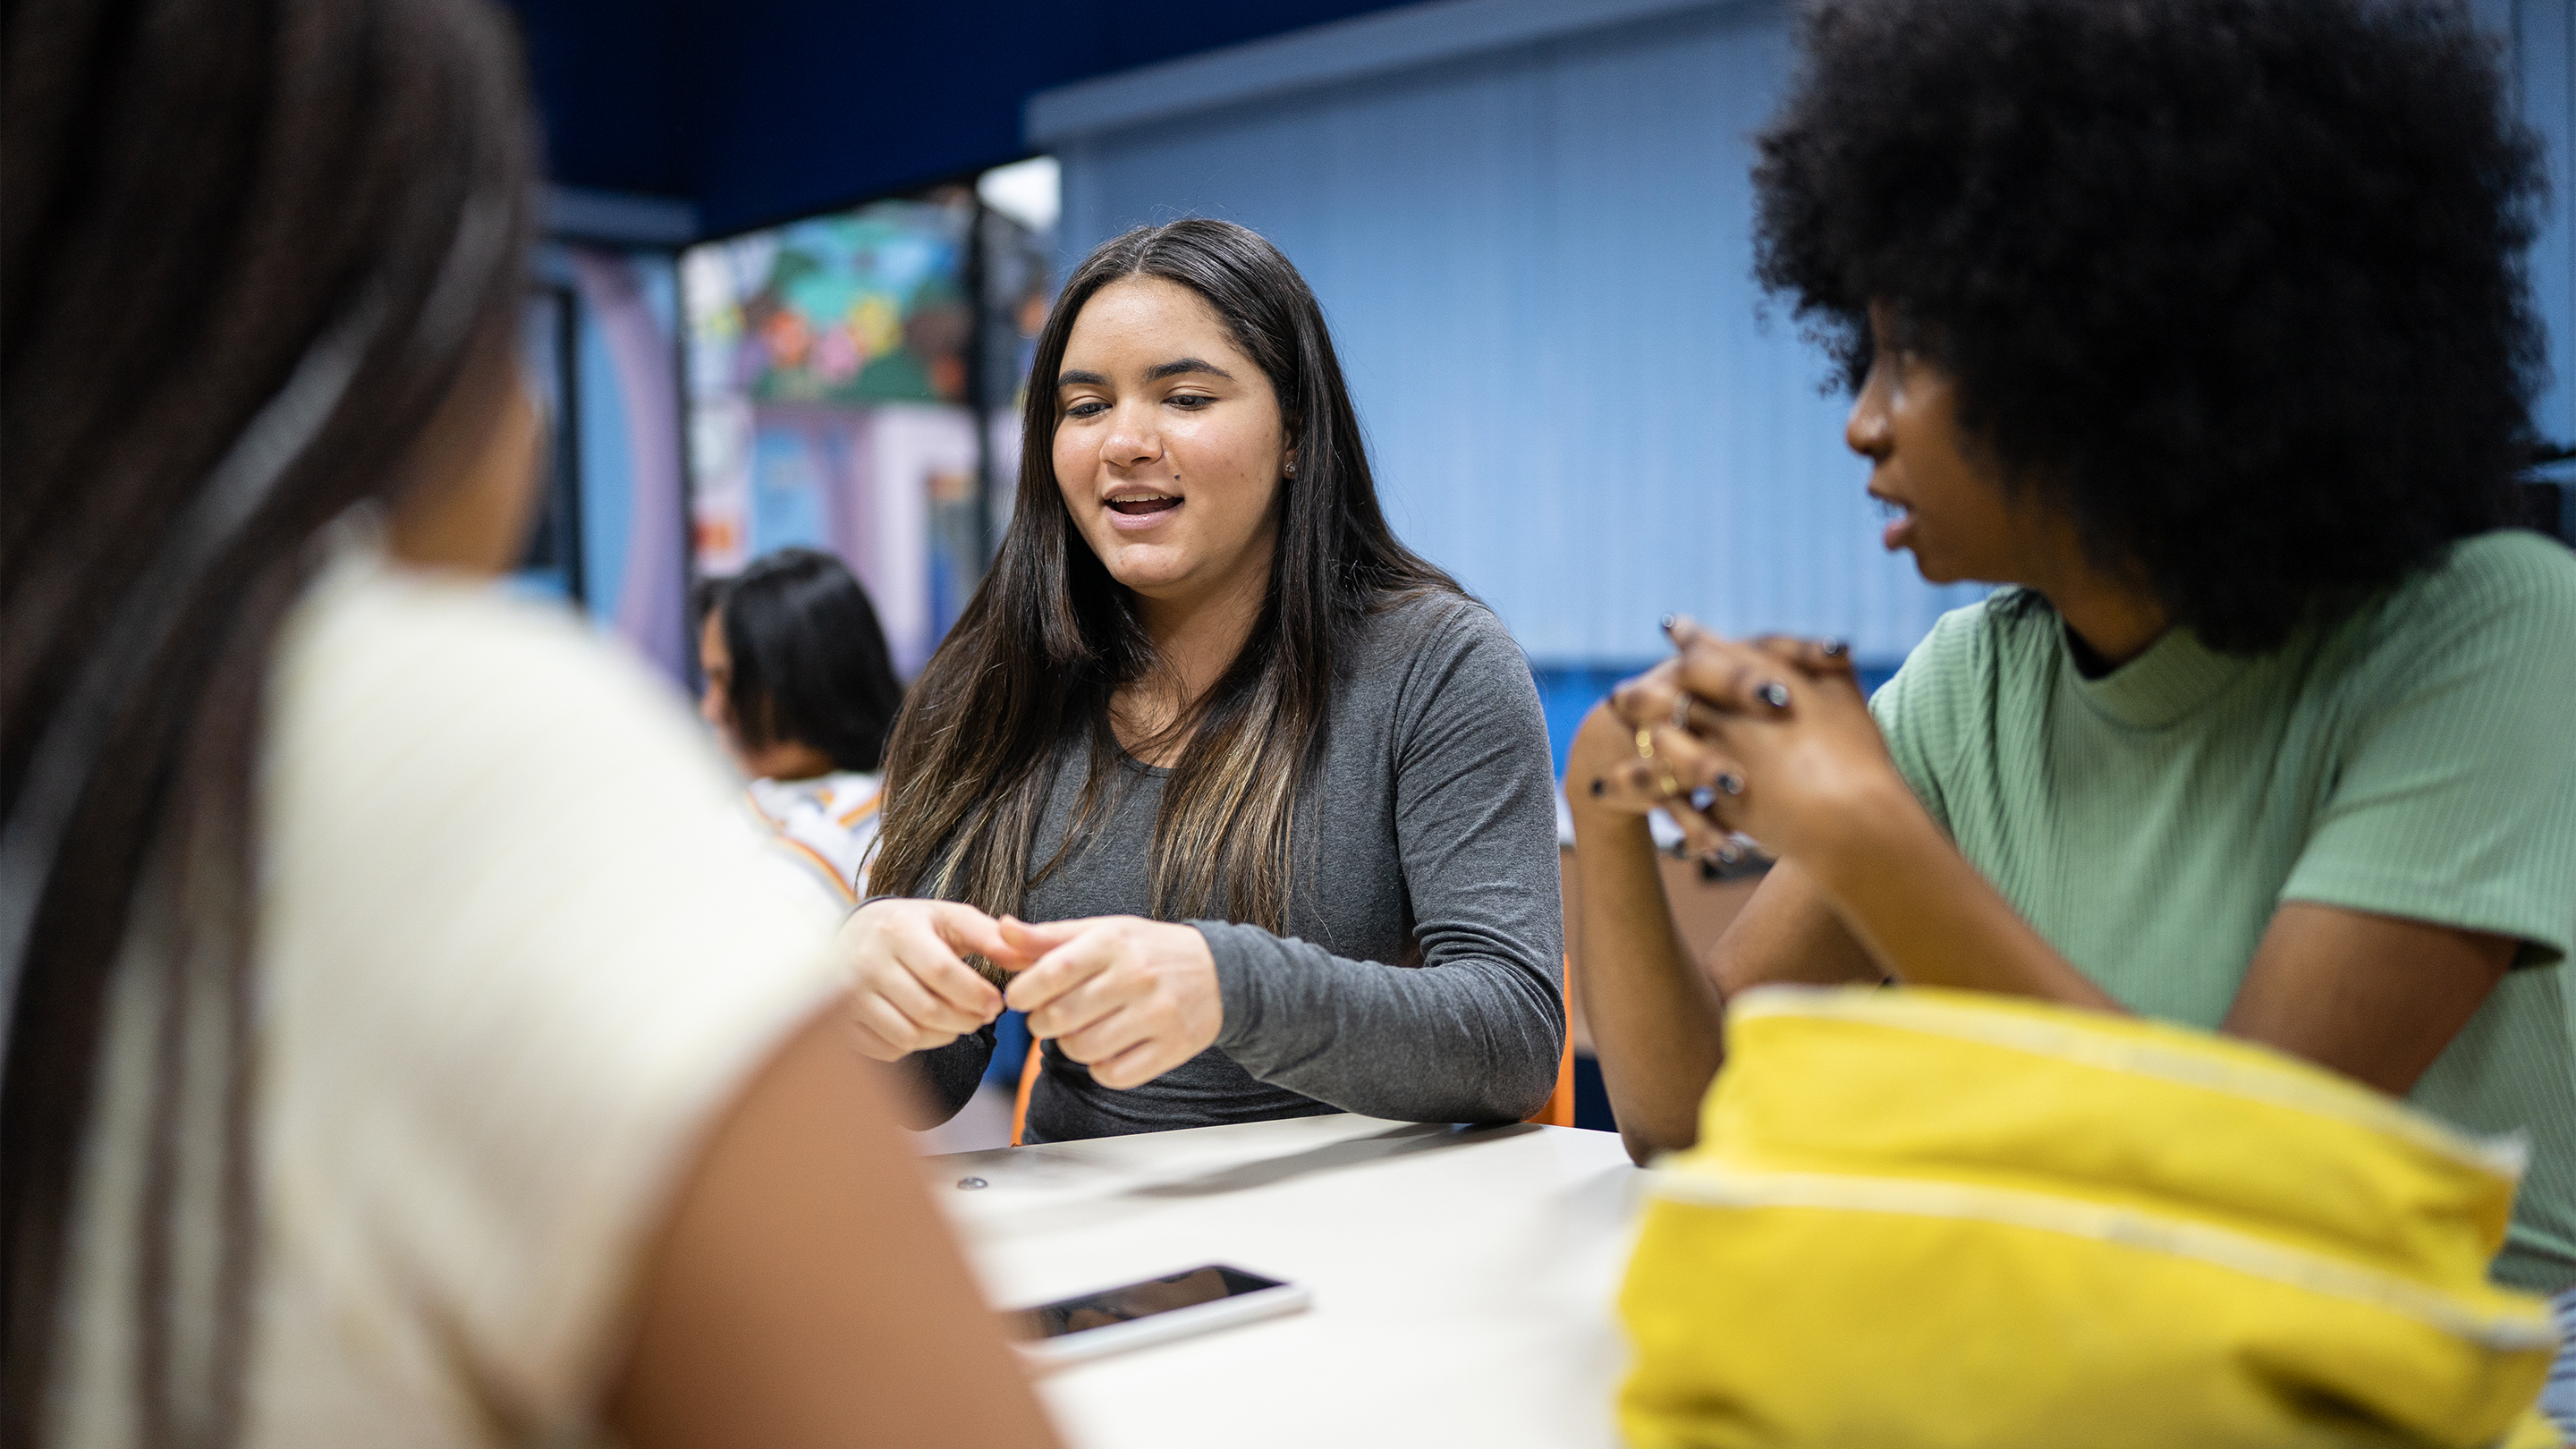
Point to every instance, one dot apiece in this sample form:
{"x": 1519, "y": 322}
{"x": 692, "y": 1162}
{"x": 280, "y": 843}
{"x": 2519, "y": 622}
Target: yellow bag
{"x": 1929, "y": 1218}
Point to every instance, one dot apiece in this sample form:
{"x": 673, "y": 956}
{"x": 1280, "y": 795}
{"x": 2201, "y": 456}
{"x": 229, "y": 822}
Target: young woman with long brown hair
{"x": 358, "y": 1089}
{"x": 1278, "y": 789}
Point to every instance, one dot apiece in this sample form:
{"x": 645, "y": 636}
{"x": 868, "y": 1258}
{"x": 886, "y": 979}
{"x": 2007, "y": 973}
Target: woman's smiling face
{"x": 1169, "y": 444}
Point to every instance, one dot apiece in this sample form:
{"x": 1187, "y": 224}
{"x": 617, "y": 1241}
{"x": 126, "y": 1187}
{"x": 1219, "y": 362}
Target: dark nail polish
{"x": 1730, "y": 783}
{"x": 1597, "y": 787}
{"x": 1774, "y": 694}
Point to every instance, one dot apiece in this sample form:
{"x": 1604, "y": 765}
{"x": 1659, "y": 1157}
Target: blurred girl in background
{"x": 801, "y": 690}
{"x": 392, "y": 1055}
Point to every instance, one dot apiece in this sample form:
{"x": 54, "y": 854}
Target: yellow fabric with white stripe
{"x": 1925, "y": 1218}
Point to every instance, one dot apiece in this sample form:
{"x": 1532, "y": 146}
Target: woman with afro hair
{"x": 2201, "y": 326}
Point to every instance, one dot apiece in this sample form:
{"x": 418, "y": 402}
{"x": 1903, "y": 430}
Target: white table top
{"x": 1463, "y": 1278}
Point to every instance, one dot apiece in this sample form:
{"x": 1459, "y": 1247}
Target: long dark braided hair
{"x": 250, "y": 247}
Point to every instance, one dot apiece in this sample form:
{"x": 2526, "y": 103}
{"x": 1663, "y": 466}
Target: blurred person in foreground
{"x": 1276, "y": 789}
{"x": 800, "y": 689}
{"x": 2202, "y": 325}
{"x": 392, "y": 1058}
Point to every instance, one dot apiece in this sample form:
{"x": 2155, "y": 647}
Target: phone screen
{"x": 1143, "y": 1300}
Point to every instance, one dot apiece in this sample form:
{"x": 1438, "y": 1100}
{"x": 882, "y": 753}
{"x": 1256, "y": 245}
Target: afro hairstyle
{"x": 2238, "y": 284}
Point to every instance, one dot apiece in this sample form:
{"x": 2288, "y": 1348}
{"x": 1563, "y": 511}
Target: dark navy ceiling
{"x": 759, "y": 110}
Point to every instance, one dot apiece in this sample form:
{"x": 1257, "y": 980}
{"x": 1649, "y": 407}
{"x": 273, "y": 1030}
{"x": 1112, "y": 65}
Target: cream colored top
{"x": 517, "y": 947}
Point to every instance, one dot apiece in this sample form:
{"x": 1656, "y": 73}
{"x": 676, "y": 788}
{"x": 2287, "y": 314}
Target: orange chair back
{"x": 1559, "y": 1111}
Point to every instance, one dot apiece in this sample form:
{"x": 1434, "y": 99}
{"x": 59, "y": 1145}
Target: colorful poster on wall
{"x": 828, "y": 403}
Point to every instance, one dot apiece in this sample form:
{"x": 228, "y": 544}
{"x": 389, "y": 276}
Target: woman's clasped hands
{"x": 1127, "y": 997}
{"x": 1770, "y": 739}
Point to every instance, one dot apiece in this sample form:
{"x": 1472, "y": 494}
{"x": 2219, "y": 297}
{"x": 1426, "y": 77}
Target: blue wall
{"x": 2537, "y": 34}
{"x": 1529, "y": 221}
{"x": 1535, "y": 255}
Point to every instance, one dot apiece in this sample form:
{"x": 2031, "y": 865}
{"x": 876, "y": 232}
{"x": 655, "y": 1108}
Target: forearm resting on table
{"x": 1654, "y": 1017}
{"x": 1465, "y": 1037}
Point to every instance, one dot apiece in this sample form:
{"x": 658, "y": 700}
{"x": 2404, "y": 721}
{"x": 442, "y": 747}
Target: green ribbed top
{"x": 2417, "y": 760}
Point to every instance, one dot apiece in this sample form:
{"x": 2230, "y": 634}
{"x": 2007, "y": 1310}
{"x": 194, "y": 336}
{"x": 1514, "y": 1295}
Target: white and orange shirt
{"x": 823, "y": 827}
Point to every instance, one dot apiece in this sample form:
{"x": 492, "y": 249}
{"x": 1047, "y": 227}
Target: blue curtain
{"x": 1536, "y": 260}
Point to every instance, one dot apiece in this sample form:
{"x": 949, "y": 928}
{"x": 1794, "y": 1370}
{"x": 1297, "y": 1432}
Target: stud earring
{"x": 1292, "y": 467}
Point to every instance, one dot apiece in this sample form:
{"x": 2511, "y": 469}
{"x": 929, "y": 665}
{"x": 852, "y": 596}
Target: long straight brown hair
{"x": 1026, "y": 676}
{"x": 250, "y": 248}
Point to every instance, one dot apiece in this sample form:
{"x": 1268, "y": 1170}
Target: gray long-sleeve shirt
{"x": 1419, "y": 975}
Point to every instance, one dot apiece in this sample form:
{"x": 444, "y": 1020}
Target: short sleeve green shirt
{"x": 2416, "y": 760}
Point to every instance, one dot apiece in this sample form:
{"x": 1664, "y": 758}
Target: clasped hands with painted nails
{"x": 1768, "y": 738}
{"x": 1127, "y": 997}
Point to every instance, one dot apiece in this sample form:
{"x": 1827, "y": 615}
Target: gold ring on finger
{"x": 1645, "y": 743}
{"x": 1672, "y": 787}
